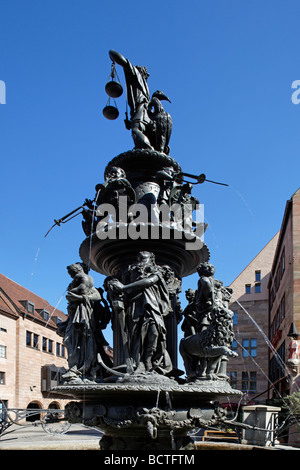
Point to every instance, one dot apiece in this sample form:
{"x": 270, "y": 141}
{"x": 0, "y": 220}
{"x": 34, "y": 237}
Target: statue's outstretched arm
{"x": 118, "y": 58}
{"x": 137, "y": 285}
{"x": 141, "y": 284}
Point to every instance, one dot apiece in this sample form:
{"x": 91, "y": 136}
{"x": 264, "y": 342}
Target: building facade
{"x": 32, "y": 354}
{"x": 266, "y": 306}
{"x": 248, "y": 372}
{"x": 284, "y": 304}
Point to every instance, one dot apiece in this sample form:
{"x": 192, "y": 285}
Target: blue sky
{"x": 227, "y": 67}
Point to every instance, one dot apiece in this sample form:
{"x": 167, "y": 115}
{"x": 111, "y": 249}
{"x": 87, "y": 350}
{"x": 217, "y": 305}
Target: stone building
{"x": 266, "y": 305}
{"x": 32, "y": 355}
{"x": 284, "y": 304}
{"x": 250, "y": 303}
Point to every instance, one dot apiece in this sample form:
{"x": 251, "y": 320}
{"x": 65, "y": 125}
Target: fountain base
{"x": 146, "y": 411}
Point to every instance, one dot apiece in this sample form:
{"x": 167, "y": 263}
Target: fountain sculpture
{"x": 141, "y": 235}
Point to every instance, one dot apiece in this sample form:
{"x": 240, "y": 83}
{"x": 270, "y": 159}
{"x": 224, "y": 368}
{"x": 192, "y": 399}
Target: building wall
{"x": 8, "y": 364}
{"x": 251, "y": 324}
{"x": 23, "y": 364}
{"x": 284, "y": 290}
{"x": 281, "y": 304}
{"x": 31, "y": 360}
{"x": 296, "y": 258}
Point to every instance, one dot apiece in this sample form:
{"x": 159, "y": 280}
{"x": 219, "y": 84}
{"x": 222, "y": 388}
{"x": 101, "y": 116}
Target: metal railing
{"x": 53, "y": 421}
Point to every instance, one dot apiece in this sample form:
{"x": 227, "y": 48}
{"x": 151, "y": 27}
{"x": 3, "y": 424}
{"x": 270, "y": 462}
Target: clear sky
{"x": 227, "y": 66}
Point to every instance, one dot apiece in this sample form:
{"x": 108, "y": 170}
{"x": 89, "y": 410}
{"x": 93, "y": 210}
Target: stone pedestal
{"x": 263, "y": 417}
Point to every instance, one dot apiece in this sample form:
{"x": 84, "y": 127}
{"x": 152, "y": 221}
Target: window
{"x": 257, "y": 276}
{"x": 35, "y": 341}
{"x": 253, "y": 347}
{"x": 2, "y": 378}
{"x": 248, "y": 381}
{"x": 28, "y": 338}
{"x": 30, "y": 307}
{"x": 47, "y": 345}
{"x": 245, "y": 347}
{"x": 252, "y": 386}
{"x": 248, "y": 288}
{"x": 2, "y": 351}
{"x": 244, "y": 381}
{"x": 249, "y": 347}
{"x": 234, "y": 318}
{"x": 234, "y": 345}
{"x": 233, "y": 380}
{"x": 32, "y": 340}
{"x": 60, "y": 350}
{"x": 54, "y": 374}
{"x": 45, "y": 315}
{"x": 258, "y": 288}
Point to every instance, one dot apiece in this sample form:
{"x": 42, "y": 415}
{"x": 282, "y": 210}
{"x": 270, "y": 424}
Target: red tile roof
{"x": 11, "y": 295}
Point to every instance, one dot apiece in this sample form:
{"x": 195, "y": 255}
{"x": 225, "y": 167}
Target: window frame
{"x": 257, "y": 276}
{"x": 3, "y": 351}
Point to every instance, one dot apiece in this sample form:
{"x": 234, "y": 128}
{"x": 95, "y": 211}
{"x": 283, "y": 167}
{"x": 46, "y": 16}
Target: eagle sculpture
{"x": 161, "y": 123}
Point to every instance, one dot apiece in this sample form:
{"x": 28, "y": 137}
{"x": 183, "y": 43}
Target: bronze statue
{"x": 150, "y": 124}
{"x": 140, "y": 401}
{"x": 82, "y": 333}
{"x": 205, "y": 348}
{"x": 161, "y": 123}
{"x": 189, "y": 313}
{"x": 146, "y": 304}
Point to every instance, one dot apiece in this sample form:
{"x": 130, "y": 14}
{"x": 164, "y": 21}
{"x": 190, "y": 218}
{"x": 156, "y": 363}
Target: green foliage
{"x": 291, "y": 404}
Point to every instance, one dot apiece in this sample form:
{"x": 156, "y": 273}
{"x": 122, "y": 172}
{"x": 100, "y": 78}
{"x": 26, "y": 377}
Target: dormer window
{"x": 44, "y": 314}
{"x": 29, "y": 306}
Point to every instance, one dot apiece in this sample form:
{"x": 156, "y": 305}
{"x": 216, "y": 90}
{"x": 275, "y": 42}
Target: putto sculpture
{"x": 143, "y": 237}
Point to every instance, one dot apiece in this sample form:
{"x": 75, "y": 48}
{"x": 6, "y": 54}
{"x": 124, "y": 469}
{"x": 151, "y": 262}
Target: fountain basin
{"x": 146, "y": 412}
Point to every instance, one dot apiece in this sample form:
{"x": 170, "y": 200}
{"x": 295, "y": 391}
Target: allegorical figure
{"x": 150, "y": 125}
{"x": 190, "y": 318}
{"x": 138, "y": 97}
{"x": 82, "y": 333}
{"x": 203, "y": 352}
{"x": 147, "y": 302}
